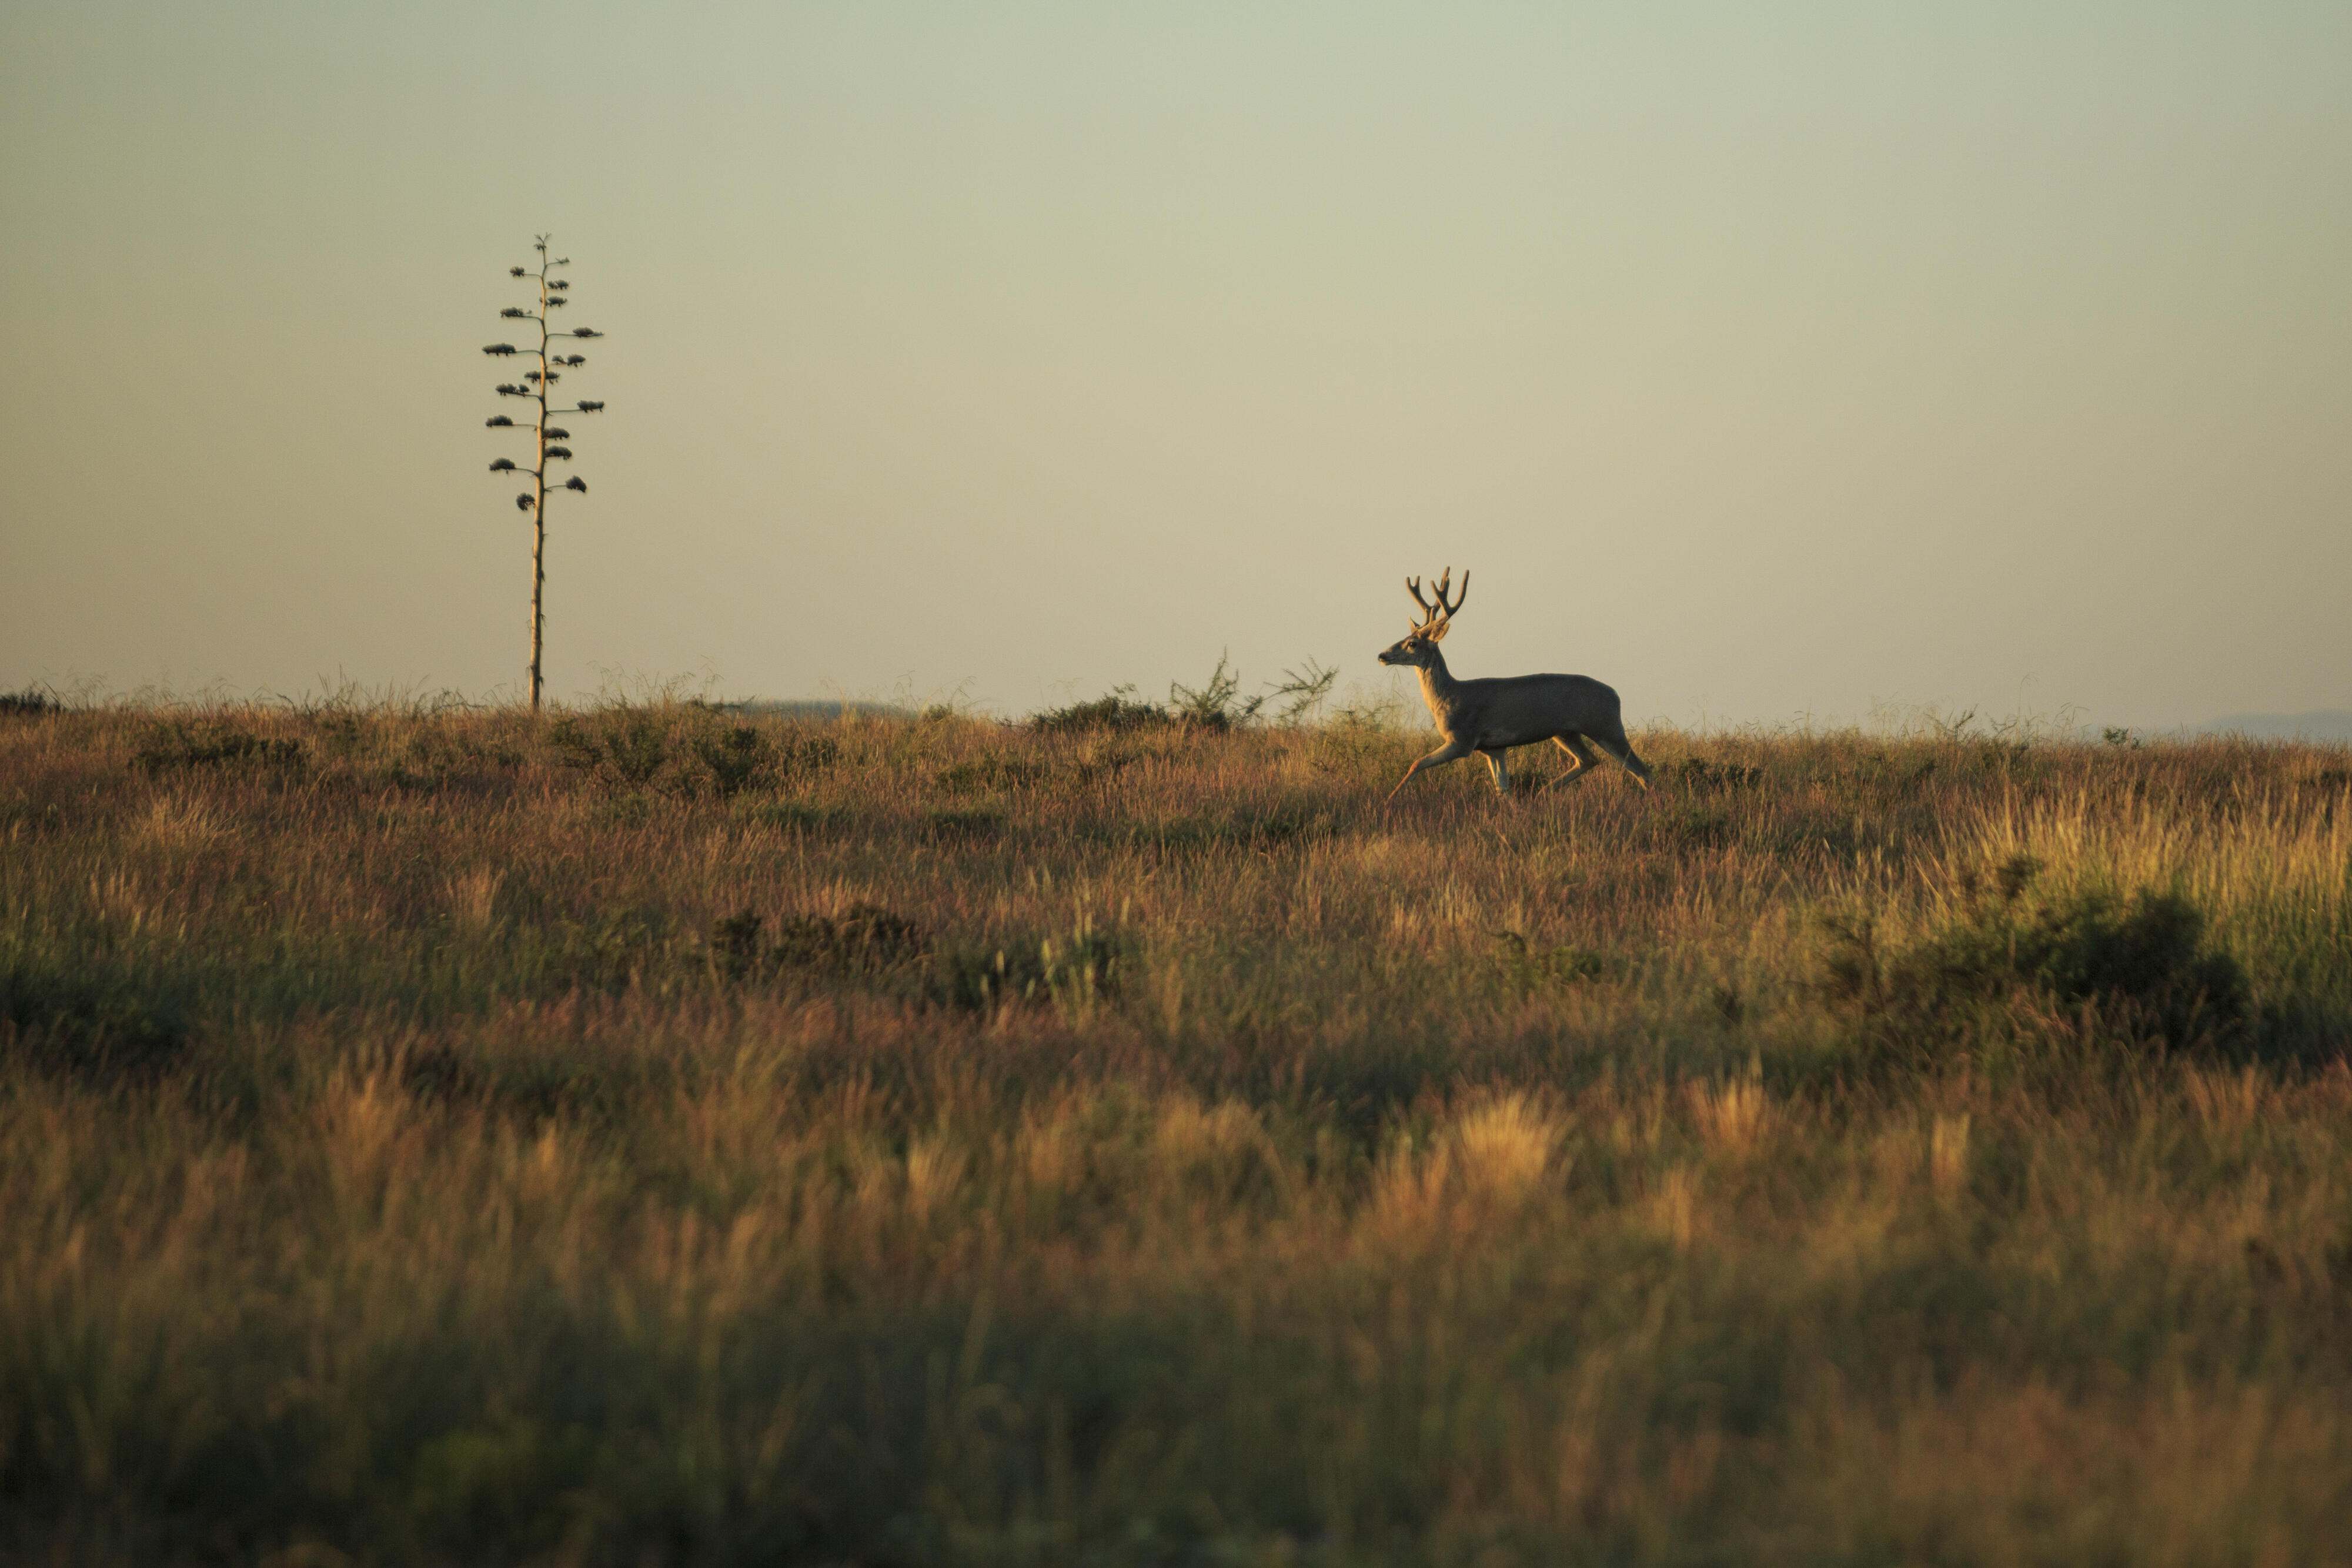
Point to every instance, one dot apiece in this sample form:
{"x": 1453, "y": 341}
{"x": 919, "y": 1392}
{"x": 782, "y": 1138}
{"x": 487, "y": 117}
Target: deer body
{"x": 1490, "y": 716}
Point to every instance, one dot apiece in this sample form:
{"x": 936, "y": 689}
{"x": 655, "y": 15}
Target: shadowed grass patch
{"x": 863, "y": 940}
{"x": 94, "y": 1020}
{"x": 207, "y": 743}
{"x": 1079, "y": 967}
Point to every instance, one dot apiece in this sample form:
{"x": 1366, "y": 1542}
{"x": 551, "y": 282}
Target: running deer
{"x": 1490, "y": 716}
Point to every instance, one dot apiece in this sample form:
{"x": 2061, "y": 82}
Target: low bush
{"x": 1118, "y": 712}
{"x": 688, "y": 751}
{"x": 621, "y": 745}
{"x": 1216, "y": 704}
{"x": 29, "y": 703}
{"x": 871, "y": 944}
{"x": 2142, "y": 962}
{"x": 1088, "y": 964}
{"x": 865, "y": 939}
{"x": 183, "y": 744}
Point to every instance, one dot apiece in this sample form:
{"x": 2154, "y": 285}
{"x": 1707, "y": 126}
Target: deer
{"x": 1575, "y": 713}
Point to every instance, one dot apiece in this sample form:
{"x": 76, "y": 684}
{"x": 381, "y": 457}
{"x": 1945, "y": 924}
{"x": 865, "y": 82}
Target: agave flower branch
{"x": 549, "y": 439}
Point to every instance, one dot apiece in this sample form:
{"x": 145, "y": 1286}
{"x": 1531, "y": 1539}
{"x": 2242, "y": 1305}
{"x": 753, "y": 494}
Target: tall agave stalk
{"x": 537, "y": 387}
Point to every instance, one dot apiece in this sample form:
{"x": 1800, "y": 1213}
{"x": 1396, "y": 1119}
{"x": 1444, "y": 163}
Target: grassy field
{"x": 653, "y": 1136}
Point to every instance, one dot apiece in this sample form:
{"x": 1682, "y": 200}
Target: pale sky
{"x": 1767, "y": 361}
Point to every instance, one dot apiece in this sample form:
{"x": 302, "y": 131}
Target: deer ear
{"x": 1437, "y": 633}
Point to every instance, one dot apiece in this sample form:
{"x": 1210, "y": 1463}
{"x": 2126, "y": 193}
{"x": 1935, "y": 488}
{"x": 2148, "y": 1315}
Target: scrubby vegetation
{"x": 1216, "y": 704}
{"x": 663, "y": 1135}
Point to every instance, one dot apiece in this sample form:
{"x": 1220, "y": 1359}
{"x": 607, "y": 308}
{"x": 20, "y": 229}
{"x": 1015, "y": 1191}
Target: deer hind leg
{"x": 1581, "y": 754}
{"x": 1615, "y": 744}
{"x": 1451, "y": 751}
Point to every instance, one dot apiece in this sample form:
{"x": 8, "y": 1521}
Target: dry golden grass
{"x": 436, "y": 1139}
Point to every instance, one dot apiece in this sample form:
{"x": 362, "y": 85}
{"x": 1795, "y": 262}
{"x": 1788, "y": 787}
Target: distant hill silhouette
{"x": 2324, "y": 725}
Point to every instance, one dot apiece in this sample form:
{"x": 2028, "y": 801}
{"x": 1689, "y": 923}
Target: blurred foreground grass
{"x": 658, "y": 1136}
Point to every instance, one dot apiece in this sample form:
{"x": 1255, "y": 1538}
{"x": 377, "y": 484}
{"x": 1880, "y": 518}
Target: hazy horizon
{"x": 1809, "y": 363}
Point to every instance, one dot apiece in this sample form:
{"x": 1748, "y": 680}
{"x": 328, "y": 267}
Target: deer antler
{"x": 1428, "y": 611}
{"x": 1437, "y": 614}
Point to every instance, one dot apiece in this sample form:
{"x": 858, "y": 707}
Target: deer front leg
{"x": 1494, "y": 765}
{"x": 1451, "y": 751}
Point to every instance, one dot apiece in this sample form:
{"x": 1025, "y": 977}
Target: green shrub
{"x": 1216, "y": 704}
{"x": 621, "y": 745}
{"x": 731, "y": 759}
{"x": 1117, "y": 711}
{"x": 2141, "y": 962}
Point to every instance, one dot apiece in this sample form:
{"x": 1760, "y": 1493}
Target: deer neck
{"x": 1438, "y": 688}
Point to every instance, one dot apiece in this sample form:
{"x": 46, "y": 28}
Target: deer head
{"x": 1419, "y": 646}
